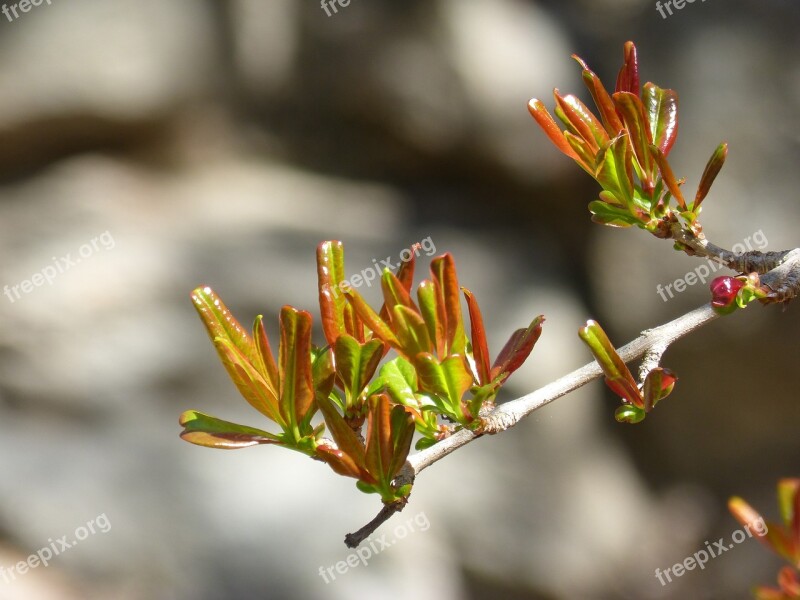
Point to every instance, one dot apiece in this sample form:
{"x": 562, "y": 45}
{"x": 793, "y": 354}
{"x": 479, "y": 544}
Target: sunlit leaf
{"x": 628, "y": 78}
{"x": 205, "y": 430}
{"x": 294, "y": 360}
{"x": 448, "y": 295}
{"x": 480, "y": 347}
{"x": 517, "y": 349}
{"x": 356, "y": 364}
{"x": 710, "y": 173}
{"x": 661, "y": 107}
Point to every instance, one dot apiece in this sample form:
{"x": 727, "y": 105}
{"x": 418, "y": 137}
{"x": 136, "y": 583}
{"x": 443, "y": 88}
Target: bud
{"x": 723, "y": 294}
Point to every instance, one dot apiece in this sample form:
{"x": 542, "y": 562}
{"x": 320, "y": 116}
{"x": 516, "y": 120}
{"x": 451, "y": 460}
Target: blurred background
{"x": 149, "y": 147}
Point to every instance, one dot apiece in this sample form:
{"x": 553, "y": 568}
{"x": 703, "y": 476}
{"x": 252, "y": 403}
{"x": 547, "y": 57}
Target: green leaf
{"x": 581, "y": 121}
{"x": 371, "y": 319}
{"x": 211, "y": 432}
{"x": 628, "y": 413}
{"x": 356, "y": 364}
{"x": 448, "y": 381}
{"x": 448, "y": 296}
{"x": 662, "y": 114}
{"x": 411, "y": 331}
{"x": 618, "y": 377}
{"x": 400, "y": 380}
{"x": 265, "y": 359}
{"x": 337, "y": 315}
{"x": 433, "y": 314}
{"x": 632, "y": 112}
{"x": 710, "y": 173}
{"x": 220, "y": 323}
{"x": 294, "y": 359}
{"x": 517, "y": 349}
{"x": 251, "y": 385}
{"x": 604, "y": 214}
{"x": 389, "y": 433}
{"x": 323, "y": 372}
{"x": 615, "y": 170}
{"x": 480, "y": 347}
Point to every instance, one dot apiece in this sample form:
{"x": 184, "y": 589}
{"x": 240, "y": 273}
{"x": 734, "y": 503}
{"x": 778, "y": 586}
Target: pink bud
{"x": 724, "y": 290}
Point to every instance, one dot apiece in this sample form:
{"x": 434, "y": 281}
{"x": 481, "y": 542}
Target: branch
{"x": 509, "y": 414}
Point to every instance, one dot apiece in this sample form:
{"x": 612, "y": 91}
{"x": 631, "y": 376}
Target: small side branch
{"x": 352, "y": 540}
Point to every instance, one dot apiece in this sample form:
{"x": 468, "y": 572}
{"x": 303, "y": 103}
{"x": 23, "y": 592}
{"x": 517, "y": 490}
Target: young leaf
{"x": 618, "y": 377}
{"x": 337, "y": 314}
{"x": 294, "y": 359}
{"x": 346, "y": 439}
{"x": 356, "y": 364}
{"x": 443, "y": 272}
{"x": 411, "y": 331}
{"x": 211, "y": 432}
{"x": 480, "y": 348}
{"x": 266, "y": 360}
{"x": 249, "y": 382}
{"x": 550, "y": 128}
{"x": 602, "y": 100}
{"x": 615, "y": 170}
{"x": 400, "y": 380}
{"x": 628, "y": 78}
{"x": 612, "y": 216}
{"x": 662, "y": 114}
{"x": 517, "y": 349}
{"x": 632, "y": 112}
{"x": 220, "y": 323}
{"x": 668, "y": 176}
{"x": 433, "y": 314}
{"x": 583, "y": 123}
{"x": 657, "y": 385}
{"x": 710, "y": 174}
{"x": 372, "y": 319}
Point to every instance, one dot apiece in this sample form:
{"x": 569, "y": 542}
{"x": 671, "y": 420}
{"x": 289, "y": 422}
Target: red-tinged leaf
{"x": 266, "y": 364}
{"x": 668, "y": 176}
{"x": 789, "y": 581}
{"x": 448, "y": 380}
{"x": 587, "y": 159}
{"x": 433, "y": 314}
{"x": 346, "y": 439}
{"x": 628, "y": 78}
{"x": 337, "y": 317}
{"x": 371, "y": 319}
{"x": 616, "y": 371}
{"x": 323, "y": 372}
{"x": 443, "y": 272}
{"x": 402, "y": 434}
{"x": 356, "y": 364}
{"x": 550, "y": 127}
{"x": 584, "y": 123}
{"x": 710, "y": 174}
{"x": 662, "y": 113}
{"x": 249, "y": 382}
{"x": 629, "y": 392}
{"x": 517, "y": 349}
{"x": 211, "y": 432}
{"x": 220, "y": 323}
{"x": 602, "y": 99}
{"x": 394, "y": 294}
{"x": 378, "y": 454}
{"x": 341, "y": 463}
{"x": 405, "y": 276}
{"x": 480, "y": 348}
{"x": 294, "y": 359}
{"x": 631, "y": 110}
{"x": 657, "y": 385}
{"x": 615, "y": 170}
{"x": 789, "y": 504}
{"x": 411, "y": 331}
